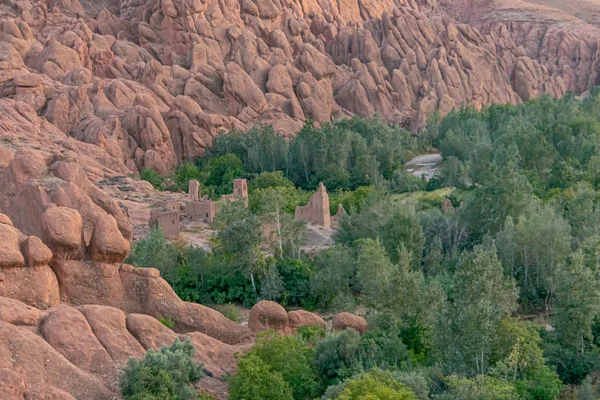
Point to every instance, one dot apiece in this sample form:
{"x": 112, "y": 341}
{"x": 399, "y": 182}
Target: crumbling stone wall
{"x": 317, "y": 210}
{"x": 167, "y": 220}
{"x": 203, "y": 210}
{"x": 240, "y": 191}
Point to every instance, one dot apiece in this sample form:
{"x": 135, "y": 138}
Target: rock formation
{"x": 71, "y": 312}
{"x": 345, "y": 320}
{"x": 120, "y": 85}
{"x": 91, "y": 91}
{"x": 266, "y": 315}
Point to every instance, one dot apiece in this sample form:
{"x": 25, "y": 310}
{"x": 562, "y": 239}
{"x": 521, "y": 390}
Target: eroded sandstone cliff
{"x": 130, "y": 84}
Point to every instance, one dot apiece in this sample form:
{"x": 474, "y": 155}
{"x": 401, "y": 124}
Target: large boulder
{"x": 266, "y": 315}
{"x": 24, "y": 271}
{"x": 44, "y": 371}
{"x": 68, "y": 332}
{"x": 18, "y": 313}
{"x": 346, "y": 320}
{"x": 300, "y": 318}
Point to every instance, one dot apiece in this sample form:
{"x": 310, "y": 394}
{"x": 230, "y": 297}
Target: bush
{"x": 337, "y": 357}
{"x": 311, "y": 333}
{"x": 184, "y": 173}
{"x": 168, "y": 322}
{"x": 541, "y": 384}
{"x": 149, "y": 175}
{"x": 292, "y": 358}
{"x": 267, "y": 180}
{"x": 229, "y": 310}
{"x": 295, "y": 275}
{"x": 375, "y": 384}
{"x": 164, "y": 374}
{"x": 256, "y": 381}
{"x": 479, "y": 388}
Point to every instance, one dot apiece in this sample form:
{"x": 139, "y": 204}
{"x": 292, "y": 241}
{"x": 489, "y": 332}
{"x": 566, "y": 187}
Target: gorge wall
{"x": 123, "y": 85}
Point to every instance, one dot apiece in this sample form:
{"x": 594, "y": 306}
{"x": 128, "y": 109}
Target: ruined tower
{"x": 317, "y": 210}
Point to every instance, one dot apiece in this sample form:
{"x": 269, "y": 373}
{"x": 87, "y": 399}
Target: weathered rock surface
{"x": 266, "y": 315}
{"x": 147, "y": 84}
{"x": 345, "y": 320}
{"x": 91, "y": 91}
{"x": 118, "y": 304}
{"x": 300, "y": 318}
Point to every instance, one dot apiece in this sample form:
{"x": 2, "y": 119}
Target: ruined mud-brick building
{"x": 317, "y": 210}
{"x": 167, "y": 220}
{"x": 240, "y": 191}
{"x": 204, "y": 209}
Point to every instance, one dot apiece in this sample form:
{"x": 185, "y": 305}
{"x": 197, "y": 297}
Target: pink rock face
{"x": 345, "y": 320}
{"x": 148, "y": 84}
{"x": 266, "y": 315}
{"x": 300, "y": 318}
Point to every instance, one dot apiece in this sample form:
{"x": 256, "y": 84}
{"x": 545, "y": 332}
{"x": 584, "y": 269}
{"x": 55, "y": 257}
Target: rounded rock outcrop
{"x": 300, "y": 318}
{"x": 267, "y": 315}
{"x": 345, "y": 320}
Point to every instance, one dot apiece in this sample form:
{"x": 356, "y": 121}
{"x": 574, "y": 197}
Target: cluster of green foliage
{"x": 443, "y": 291}
{"x": 166, "y": 374}
{"x": 343, "y": 155}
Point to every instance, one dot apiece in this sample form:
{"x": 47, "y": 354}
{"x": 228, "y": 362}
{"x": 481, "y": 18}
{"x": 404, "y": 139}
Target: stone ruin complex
{"x": 167, "y": 220}
{"x": 196, "y": 208}
{"x": 240, "y": 190}
{"x": 317, "y": 210}
{"x": 205, "y": 209}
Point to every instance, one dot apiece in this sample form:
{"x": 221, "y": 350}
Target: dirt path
{"x": 424, "y": 165}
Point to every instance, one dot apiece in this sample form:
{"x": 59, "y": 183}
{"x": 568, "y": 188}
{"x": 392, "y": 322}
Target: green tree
{"x": 184, "y": 173}
{"x": 164, "y": 374}
{"x": 375, "y": 385}
{"x": 256, "y": 381}
{"x": 337, "y": 357}
{"x": 533, "y": 251}
{"x": 151, "y": 176}
{"x": 335, "y": 271}
{"x": 287, "y": 233}
{"x": 577, "y": 304}
{"x": 239, "y": 236}
{"x": 292, "y": 358}
{"x": 266, "y": 180}
{"x": 271, "y": 284}
{"x": 221, "y": 171}
{"x": 481, "y": 297}
{"x": 155, "y": 251}
{"x": 461, "y": 388}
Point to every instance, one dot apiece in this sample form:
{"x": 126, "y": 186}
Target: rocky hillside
{"x": 92, "y": 90}
{"x": 133, "y": 84}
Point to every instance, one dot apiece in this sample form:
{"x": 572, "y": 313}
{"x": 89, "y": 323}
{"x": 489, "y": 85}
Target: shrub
{"x": 229, "y": 310}
{"x": 541, "y": 384}
{"x": 478, "y": 388}
{"x": 164, "y": 374}
{"x": 269, "y": 180}
{"x": 256, "y": 381}
{"x": 168, "y": 322}
{"x": 375, "y": 384}
{"x": 149, "y": 175}
{"x": 290, "y": 356}
{"x": 184, "y": 173}
{"x": 311, "y": 333}
{"x": 337, "y": 357}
